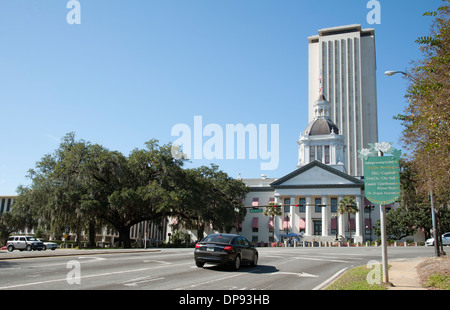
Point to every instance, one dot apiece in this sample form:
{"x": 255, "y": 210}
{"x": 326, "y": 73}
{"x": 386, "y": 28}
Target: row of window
{"x": 318, "y": 152}
{"x": 5, "y": 205}
{"x": 317, "y": 205}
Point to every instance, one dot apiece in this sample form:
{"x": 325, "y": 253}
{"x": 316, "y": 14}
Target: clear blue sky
{"x": 134, "y": 69}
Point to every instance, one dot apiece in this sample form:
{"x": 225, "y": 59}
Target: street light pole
{"x": 433, "y": 213}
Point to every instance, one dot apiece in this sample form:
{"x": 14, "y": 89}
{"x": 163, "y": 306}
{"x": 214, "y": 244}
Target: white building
{"x": 310, "y": 194}
{"x": 6, "y": 203}
{"x": 345, "y": 58}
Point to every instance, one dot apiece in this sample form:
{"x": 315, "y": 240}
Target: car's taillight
{"x": 197, "y": 246}
{"x": 228, "y": 248}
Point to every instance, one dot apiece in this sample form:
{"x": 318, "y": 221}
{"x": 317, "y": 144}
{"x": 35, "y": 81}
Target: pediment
{"x": 316, "y": 174}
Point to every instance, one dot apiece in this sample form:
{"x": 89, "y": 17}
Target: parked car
{"x": 225, "y": 249}
{"x": 445, "y": 240}
{"x": 49, "y": 245}
{"x": 24, "y": 243}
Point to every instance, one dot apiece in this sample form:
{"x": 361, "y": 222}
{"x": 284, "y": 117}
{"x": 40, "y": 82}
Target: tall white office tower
{"x": 345, "y": 59}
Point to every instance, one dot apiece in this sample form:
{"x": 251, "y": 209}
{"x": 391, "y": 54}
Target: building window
{"x": 287, "y": 207}
{"x": 255, "y": 224}
{"x": 318, "y": 203}
{"x": 302, "y": 205}
{"x": 312, "y": 154}
{"x": 317, "y": 227}
{"x": 327, "y": 154}
{"x": 334, "y": 204}
{"x": 319, "y": 153}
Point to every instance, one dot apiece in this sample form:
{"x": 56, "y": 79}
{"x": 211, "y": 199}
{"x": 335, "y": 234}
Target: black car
{"x": 225, "y": 249}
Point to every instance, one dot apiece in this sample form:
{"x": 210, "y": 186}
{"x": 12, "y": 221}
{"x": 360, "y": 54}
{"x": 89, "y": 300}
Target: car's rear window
{"x": 218, "y": 238}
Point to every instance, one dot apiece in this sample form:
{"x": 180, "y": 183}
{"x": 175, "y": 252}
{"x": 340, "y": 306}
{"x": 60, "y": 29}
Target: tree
{"x": 54, "y": 195}
{"x": 348, "y": 205}
{"x": 427, "y": 117}
{"x": 272, "y": 211}
{"x": 133, "y": 189}
{"x": 208, "y": 197}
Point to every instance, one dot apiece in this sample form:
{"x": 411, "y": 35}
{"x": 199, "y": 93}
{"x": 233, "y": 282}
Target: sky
{"x": 133, "y": 70}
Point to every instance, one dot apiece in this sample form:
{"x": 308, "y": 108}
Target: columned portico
{"x": 308, "y": 223}
{"x": 341, "y": 227}
{"x": 309, "y": 196}
{"x": 325, "y": 210}
{"x": 358, "y": 232}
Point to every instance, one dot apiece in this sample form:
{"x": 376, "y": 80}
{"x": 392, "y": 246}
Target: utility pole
{"x": 433, "y": 218}
{"x": 384, "y": 257}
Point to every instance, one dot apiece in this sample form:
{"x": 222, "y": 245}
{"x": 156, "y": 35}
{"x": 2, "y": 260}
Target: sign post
{"x": 382, "y": 186}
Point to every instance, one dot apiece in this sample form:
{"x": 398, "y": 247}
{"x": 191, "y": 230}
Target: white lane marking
{"x": 329, "y": 280}
{"x": 89, "y": 276}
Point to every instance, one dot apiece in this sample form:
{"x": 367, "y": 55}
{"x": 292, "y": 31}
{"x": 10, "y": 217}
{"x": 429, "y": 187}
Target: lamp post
{"x": 433, "y": 213}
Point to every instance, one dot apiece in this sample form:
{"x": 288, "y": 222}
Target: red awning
{"x": 286, "y": 223}
{"x": 271, "y": 222}
{"x": 352, "y": 224}
{"x": 302, "y": 223}
{"x": 255, "y": 223}
{"x": 333, "y": 223}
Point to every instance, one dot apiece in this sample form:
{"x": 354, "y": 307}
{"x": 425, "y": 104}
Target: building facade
{"x": 309, "y": 196}
{"x": 344, "y": 60}
{"x": 6, "y": 203}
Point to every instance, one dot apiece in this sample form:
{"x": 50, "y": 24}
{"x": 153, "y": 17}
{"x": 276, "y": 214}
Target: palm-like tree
{"x": 348, "y": 205}
{"x": 272, "y": 210}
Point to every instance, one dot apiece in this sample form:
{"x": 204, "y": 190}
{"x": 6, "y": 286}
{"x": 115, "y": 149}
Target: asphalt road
{"x": 174, "y": 269}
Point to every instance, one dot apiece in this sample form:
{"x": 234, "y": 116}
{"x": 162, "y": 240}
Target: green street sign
{"x": 382, "y": 179}
{"x": 256, "y": 210}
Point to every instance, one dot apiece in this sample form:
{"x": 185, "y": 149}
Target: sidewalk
{"x": 403, "y": 274}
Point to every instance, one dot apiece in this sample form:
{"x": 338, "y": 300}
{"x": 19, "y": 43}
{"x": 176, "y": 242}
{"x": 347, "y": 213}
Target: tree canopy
{"x": 82, "y": 186}
{"x": 427, "y": 119}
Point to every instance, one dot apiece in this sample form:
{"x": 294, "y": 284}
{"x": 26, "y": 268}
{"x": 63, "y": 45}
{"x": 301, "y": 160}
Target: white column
{"x": 275, "y": 220}
{"x": 341, "y": 227}
{"x": 358, "y": 216}
{"x": 308, "y": 224}
{"x": 324, "y": 216}
{"x": 292, "y": 213}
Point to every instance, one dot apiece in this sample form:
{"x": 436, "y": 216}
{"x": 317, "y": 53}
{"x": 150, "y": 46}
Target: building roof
{"x": 321, "y": 126}
{"x": 350, "y": 181}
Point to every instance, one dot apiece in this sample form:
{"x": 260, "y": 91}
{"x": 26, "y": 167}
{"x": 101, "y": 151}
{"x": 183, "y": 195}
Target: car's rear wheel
{"x": 237, "y": 262}
{"x": 255, "y": 260}
{"x": 10, "y": 248}
{"x": 199, "y": 264}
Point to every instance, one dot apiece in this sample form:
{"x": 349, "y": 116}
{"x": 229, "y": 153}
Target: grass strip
{"x": 357, "y": 279}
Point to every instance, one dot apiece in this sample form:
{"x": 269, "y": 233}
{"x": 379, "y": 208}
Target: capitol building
{"x": 342, "y": 109}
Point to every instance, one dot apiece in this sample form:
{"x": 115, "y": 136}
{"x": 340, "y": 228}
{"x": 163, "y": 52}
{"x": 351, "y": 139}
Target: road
{"x": 174, "y": 269}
